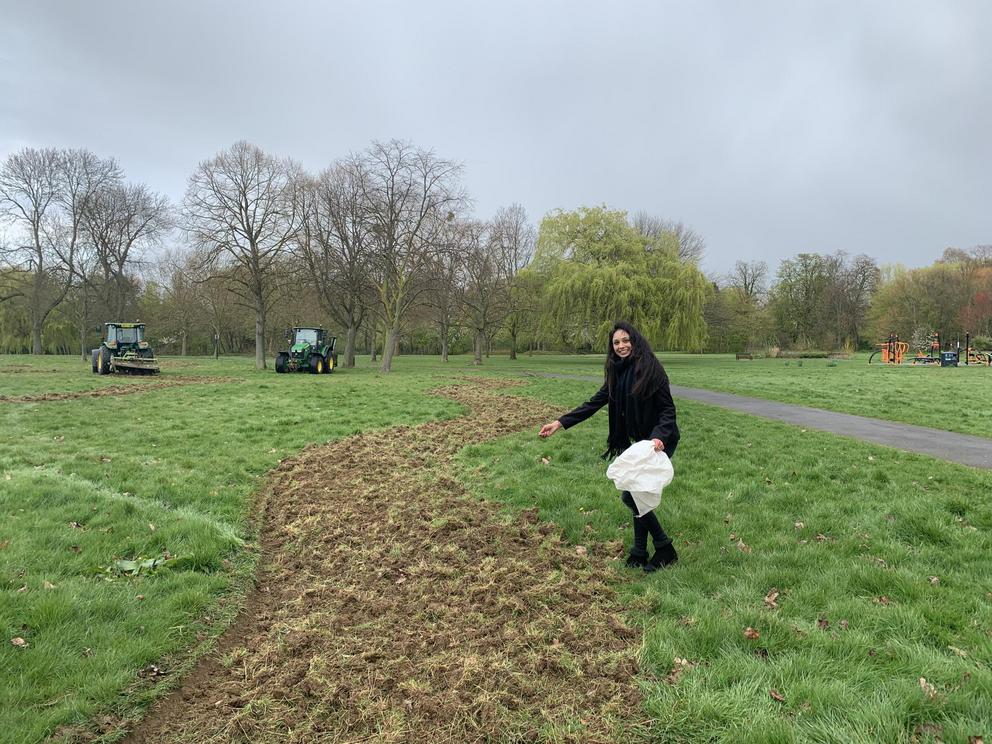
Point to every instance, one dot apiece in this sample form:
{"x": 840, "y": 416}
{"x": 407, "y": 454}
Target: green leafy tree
{"x": 601, "y": 269}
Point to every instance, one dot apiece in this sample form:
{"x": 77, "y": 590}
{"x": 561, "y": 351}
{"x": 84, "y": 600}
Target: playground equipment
{"x": 973, "y": 355}
{"x": 894, "y": 351}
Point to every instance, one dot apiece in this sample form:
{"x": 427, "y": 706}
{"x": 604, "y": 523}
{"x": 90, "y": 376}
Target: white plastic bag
{"x": 643, "y": 472}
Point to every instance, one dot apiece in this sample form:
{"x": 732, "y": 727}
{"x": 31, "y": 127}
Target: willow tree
{"x": 601, "y": 269}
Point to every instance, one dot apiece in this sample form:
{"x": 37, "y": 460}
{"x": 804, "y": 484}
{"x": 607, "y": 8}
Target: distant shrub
{"x": 804, "y": 354}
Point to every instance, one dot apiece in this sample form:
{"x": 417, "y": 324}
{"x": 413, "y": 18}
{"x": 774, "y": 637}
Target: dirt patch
{"x": 391, "y": 606}
{"x": 114, "y": 390}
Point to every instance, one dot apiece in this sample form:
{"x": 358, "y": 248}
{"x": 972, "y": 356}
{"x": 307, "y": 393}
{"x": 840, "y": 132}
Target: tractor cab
{"x": 301, "y": 338}
{"x": 125, "y": 335}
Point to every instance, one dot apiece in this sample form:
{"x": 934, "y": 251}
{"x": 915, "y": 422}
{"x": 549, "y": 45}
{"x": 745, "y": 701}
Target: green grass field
{"x": 881, "y": 560}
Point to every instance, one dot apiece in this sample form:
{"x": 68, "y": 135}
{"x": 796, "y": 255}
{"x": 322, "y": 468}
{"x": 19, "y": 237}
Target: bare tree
{"x": 335, "y": 244}
{"x": 748, "y": 278}
{"x": 242, "y": 207}
{"x": 46, "y": 193}
{"x": 121, "y": 222}
{"x": 444, "y": 272}
{"x": 484, "y": 285}
{"x": 407, "y": 196}
{"x": 513, "y": 238}
{"x": 688, "y": 244}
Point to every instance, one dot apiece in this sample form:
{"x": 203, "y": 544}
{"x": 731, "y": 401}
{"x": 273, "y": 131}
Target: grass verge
{"x": 827, "y": 590}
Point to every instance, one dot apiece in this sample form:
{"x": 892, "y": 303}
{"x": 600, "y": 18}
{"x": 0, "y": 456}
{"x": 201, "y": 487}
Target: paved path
{"x": 945, "y": 445}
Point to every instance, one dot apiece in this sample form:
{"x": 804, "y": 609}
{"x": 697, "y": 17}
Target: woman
{"x": 640, "y": 407}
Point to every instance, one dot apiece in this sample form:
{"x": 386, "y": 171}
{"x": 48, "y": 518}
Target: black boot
{"x": 663, "y": 556}
{"x": 638, "y": 560}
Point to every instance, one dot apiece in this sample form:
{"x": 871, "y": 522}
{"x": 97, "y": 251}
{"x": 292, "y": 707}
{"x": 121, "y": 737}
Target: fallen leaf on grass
{"x": 4, "y": 544}
{"x": 19, "y": 642}
{"x": 822, "y": 623}
{"x": 75, "y": 525}
{"x": 580, "y": 550}
{"x": 883, "y": 600}
{"x": 928, "y": 688}
{"x": 751, "y": 634}
{"x": 22, "y": 589}
{"x": 743, "y": 546}
{"x": 958, "y": 651}
{"x": 776, "y": 695}
{"x": 48, "y": 585}
{"x": 821, "y": 537}
{"x": 545, "y": 461}
{"x": 934, "y": 580}
{"x": 799, "y": 525}
{"x": 975, "y": 740}
{"x": 771, "y": 599}
{"x": 104, "y": 458}
{"x": 843, "y": 624}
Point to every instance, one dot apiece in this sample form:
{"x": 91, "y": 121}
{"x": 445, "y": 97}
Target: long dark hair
{"x": 648, "y": 372}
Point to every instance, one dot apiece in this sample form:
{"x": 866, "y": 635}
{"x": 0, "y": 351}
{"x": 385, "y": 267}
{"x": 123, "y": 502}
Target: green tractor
{"x": 311, "y": 350}
{"x": 124, "y": 350}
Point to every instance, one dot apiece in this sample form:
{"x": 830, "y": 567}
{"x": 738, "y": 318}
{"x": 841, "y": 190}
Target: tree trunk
{"x": 36, "y": 326}
{"x": 349, "y": 346}
{"x": 389, "y": 347}
{"x": 513, "y": 345}
{"x": 478, "y": 348}
{"x": 259, "y": 333}
{"x": 184, "y": 336}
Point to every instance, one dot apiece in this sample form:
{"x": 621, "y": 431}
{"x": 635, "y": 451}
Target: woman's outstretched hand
{"x": 658, "y": 445}
{"x": 548, "y": 429}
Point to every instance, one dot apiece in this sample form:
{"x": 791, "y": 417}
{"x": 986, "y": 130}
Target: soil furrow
{"x": 115, "y": 390}
{"x": 391, "y": 606}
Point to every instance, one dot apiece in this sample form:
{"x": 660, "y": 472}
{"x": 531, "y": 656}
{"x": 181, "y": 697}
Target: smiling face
{"x": 621, "y": 344}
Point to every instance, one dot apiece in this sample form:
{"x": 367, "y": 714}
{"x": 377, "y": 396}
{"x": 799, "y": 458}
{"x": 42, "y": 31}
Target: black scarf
{"x": 621, "y": 408}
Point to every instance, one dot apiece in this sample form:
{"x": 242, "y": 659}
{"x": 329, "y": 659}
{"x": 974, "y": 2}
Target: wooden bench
{"x": 744, "y": 356}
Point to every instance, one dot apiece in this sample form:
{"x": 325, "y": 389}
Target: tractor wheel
{"x": 282, "y": 361}
{"x": 329, "y": 364}
{"x": 104, "y": 361}
{"x": 96, "y": 360}
{"x": 316, "y": 364}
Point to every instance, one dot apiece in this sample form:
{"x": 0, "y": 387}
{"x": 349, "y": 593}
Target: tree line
{"x": 382, "y": 248}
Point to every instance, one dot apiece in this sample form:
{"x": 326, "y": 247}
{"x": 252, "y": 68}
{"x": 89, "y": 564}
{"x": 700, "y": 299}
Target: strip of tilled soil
{"x": 393, "y": 607}
{"x": 137, "y": 387}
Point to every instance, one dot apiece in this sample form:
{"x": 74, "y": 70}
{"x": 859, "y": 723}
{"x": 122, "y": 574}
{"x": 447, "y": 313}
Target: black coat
{"x": 633, "y": 419}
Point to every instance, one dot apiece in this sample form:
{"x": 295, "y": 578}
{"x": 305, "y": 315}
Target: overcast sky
{"x": 771, "y": 128}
